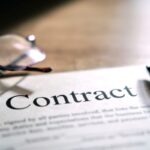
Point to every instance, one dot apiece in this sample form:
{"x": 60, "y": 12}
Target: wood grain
{"x": 88, "y": 34}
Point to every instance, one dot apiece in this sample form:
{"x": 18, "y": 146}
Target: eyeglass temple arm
{"x": 45, "y": 69}
{"x": 25, "y": 68}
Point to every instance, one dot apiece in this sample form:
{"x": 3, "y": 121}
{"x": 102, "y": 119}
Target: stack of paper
{"x": 107, "y": 109}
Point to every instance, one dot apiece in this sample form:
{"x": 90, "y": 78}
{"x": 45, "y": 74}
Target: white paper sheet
{"x": 103, "y": 109}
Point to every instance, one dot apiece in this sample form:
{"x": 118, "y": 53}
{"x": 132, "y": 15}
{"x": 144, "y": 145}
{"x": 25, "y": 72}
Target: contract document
{"x": 102, "y": 109}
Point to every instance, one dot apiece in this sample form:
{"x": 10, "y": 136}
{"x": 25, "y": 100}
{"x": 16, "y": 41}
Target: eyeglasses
{"x": 20, "y": 54}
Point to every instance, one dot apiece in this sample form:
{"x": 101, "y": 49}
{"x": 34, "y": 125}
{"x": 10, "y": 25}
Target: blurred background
{"x": 83, "y": 34}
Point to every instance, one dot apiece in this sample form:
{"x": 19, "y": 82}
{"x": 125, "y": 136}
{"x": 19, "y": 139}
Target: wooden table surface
{"x": 87, "y": 34}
